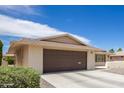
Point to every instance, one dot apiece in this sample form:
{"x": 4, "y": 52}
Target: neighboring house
{"x": 56, "y": 53}
{"x": 4, "y": 62}
{"x": 118, "y": 56}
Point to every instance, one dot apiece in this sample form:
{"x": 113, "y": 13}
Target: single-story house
{"x": 118, "y": 56}
{"x": 57, "y": 53}
{"x": 4, "y": 62}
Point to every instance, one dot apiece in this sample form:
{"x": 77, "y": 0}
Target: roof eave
{"x": 46, "y": 43}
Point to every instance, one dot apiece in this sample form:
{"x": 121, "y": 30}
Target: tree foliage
{"x": 112, "y": 51}
{"x": 10, "y": 60}
{"x": 1, "y": 51}
{"x": 119, "y": 50}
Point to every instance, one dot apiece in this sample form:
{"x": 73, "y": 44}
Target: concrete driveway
{"x": 85, "y": 79}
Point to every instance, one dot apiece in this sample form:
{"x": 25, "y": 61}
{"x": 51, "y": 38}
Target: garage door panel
{"x": 58, "y": 60}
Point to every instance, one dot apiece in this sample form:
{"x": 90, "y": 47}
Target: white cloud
{"x": 19, "y": 9}
{"x": 23, "y": 28}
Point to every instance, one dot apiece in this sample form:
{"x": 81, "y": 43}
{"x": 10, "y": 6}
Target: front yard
{"x": 18, "y": 77}
{"x": 28, "y": 78}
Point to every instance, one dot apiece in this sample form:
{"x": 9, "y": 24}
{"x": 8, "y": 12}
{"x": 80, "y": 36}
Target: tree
{"x": 1, "y": 51}
{"x": 119, "y": 50}
{"x": 10, "y": 60}
{"x": 112, "y": 51}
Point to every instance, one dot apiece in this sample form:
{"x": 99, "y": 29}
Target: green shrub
{"x": 17, "y": 77}
{"x": 10, "y": 60}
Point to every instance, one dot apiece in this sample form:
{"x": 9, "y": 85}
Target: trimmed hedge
{"x": 18, "y": 77}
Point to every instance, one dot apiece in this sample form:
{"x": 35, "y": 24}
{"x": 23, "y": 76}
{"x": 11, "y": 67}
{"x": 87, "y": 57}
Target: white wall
{"x": 90, "y": 60}
{"x": 115, "y": 64}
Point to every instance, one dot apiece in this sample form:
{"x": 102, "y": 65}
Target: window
{"x": 100, "y": 58}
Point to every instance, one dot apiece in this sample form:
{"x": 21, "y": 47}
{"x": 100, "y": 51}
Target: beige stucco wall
{"x": 35, "y": 58}
{"x": 19, "y": 57}
{"x": 107, "y": 57}
{"x": 32, "y": 56}
{"x": 100, "y": 63}
{"x": 115, "y": 64}
{"x": 90, "y": 60}
{"x": 25, "y": 55}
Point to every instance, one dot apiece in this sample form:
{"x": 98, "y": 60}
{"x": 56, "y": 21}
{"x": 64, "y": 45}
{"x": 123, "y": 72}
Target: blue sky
{"x": 103, "y": 26}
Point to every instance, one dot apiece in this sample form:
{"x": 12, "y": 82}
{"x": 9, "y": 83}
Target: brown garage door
{"x": 58, "y": 60}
